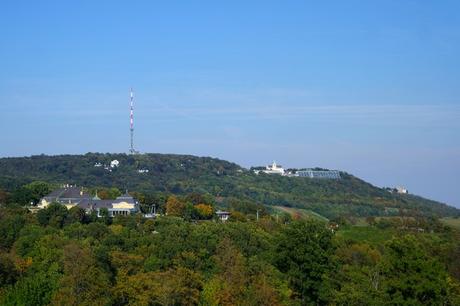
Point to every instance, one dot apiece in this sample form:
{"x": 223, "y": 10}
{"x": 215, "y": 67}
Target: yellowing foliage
{"x": 204, "y": 210}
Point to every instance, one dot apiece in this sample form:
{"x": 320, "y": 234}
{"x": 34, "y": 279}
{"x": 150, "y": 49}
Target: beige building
{"x": 71, "y": 196}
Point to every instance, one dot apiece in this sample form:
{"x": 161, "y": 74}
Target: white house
{"x": 114, "y": 163}
{"x": 272, "y": 169}
{"x": 223, "y": 215}
{"x": 402, "y": 190}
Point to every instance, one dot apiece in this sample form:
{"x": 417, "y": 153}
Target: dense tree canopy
{"x": 60, "y": 257}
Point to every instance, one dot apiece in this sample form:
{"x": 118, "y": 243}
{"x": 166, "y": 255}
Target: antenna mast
{"x": 131, "y": 122}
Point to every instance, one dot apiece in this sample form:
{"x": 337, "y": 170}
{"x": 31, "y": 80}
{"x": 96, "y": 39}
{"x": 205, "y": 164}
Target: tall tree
{"x": 411, "y": 277}
{"x": 83, "y": 283}
{"x": 174, "y": 207}
{"x": 303, "y": 251}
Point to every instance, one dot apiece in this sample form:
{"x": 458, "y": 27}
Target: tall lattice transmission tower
{"x": 131, "y": 122}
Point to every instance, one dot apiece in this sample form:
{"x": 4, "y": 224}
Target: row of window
{"x": 319, "y": 174}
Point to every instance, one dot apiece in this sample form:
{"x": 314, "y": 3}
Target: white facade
{"x": 223, "y": 215}
{"x": 402, "y": 190}
{"x": 272, "y": 169}
{"x": 114, "y": 163}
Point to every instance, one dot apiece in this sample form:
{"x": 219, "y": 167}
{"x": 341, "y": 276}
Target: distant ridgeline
{"x": 226, "y": 181}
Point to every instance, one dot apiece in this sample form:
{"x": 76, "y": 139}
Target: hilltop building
{"x": 320, "y": 174}
{"x": 399, "y": 190}
{"x": 402, "y": 190}
{"x": 272, "y": 169}
{"x": 311, "y": 173}
{"x": 72, "y": 196}
{"x": 114, "y": 163}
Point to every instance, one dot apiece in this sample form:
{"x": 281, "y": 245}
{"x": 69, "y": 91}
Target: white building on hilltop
{"x": 402, "y": 190}
{"x": 114, "y": 163}
{"x": 272, "y": 169}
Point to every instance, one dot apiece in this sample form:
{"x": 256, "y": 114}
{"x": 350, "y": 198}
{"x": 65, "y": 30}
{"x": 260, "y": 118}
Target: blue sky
{"x": 369, "y": 87}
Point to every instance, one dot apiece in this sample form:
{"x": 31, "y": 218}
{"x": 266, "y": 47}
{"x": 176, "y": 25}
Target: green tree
{"x": 411, "y": 277}
{"x": 22, "y": 196}
{"x": 11, "y": 222}
{"x": 54, "y": 214}
{"x": 303, "y": 251}
{"x": 77, "y": 214}
{"x": 3, "y": 196}
{"x": 38, "y": 190}
{"x": 8, "y": 271}
{"x": 35, "y": 289}
{"x": 83, "y": 283}
{"x": 104, "y": 216}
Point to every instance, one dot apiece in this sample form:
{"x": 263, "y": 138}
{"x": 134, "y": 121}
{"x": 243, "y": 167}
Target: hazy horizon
{"x": 367, "y": 88}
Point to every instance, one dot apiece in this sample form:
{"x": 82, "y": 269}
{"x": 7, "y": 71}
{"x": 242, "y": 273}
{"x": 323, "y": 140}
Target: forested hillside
{"x": 187, "y": 256}
{"x": 183, "y": 174}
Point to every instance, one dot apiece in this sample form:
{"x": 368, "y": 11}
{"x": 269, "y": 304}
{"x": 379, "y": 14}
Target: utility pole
{"x": 258, "y": 214}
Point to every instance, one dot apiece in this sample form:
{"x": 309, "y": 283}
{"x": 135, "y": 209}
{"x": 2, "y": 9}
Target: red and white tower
{"x": 131, "y": 122}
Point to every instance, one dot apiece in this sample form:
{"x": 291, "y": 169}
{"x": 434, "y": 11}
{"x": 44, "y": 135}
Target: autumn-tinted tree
{"x": 174, "y": 207}
{"x": 83, "y": 283}
{"x": 203, "y": 211}
{"x": 358, "y": 280}
{"x": 172, "y": 287}
{"x": 108, "y": 193}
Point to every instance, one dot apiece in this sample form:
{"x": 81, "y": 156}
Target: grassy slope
{"x": 453, "y": 222}
{"x": 303, "y": 213}
{"x": 368, "y": 234}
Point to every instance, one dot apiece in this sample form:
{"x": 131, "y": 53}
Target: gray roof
{"x": 125, "y": 198}
{"x": 95, "y": 204}
{"x": 84, "y": 200}
{"x": 67, "y": 193}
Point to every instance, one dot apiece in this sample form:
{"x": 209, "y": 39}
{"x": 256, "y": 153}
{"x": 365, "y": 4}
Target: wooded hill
{"x": 225, "y": 181}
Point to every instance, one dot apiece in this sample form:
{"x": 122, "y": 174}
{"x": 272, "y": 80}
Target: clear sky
{"x": 368, "y": 87}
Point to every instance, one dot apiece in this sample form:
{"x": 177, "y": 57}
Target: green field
{"x": 303, "y": 213}
{"x": 454, "y": 222}
{"x": 367, "y": 234}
